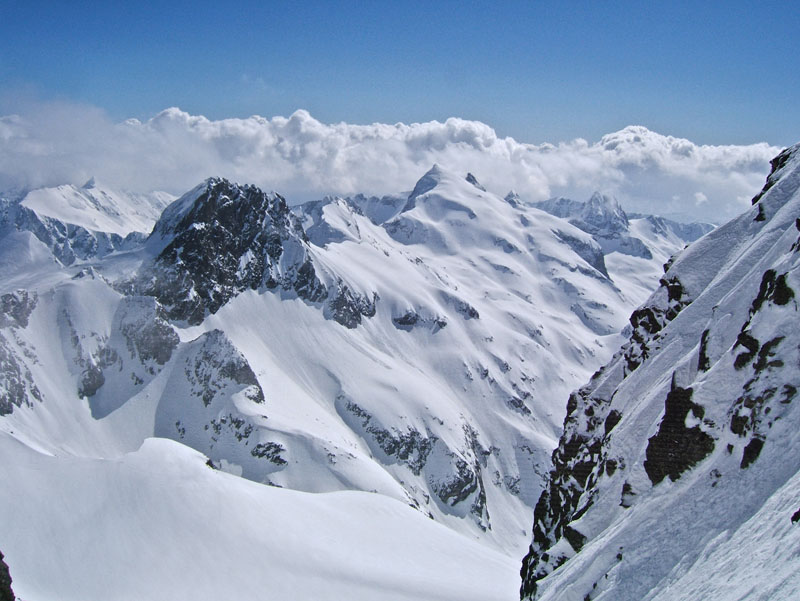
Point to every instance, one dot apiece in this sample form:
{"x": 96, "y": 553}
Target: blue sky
{"x": 712, "y": 72}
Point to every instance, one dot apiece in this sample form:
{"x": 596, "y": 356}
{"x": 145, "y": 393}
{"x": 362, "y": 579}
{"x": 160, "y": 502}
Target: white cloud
{"x": 303, "y": 158}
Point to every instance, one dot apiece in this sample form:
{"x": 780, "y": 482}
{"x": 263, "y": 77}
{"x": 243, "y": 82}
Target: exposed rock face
{"x": 455, "y": 322}
{"x": 220, "y": 410}
{"x": 601, "y": 215}
{"x": 474, "y": 181}
{"x": 16, "y": 308}
{"x": 703, "y": 396}
{"x": 221, "y": 239}
{"x": 17, "y": 385}
{"x": 453, "y": 474}
{"x": 676, "y": 448}
{"x": 6, "y": 593}
{"x": 141, "y": 343}
{"x": 68, "y": 242}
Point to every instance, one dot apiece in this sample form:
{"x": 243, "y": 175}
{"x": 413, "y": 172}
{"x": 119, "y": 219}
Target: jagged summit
{"x": 425, "y": 184}
{"x": 428, "y": 182}
{"x": 603, "y": 214}
{"x": 217, "y": 201}
{"x": 605, "y": 220}
{"x": 222, "y": 238}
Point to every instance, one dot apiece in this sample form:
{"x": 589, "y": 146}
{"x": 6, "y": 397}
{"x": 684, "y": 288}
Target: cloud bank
{"x": 302, "y": 158}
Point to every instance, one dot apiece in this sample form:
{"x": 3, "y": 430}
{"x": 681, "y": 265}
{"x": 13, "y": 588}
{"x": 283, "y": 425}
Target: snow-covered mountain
{"x": 677, "y": 474}
{"x": 74, "y": 224}
{"x": 416, "y": 346}
{"x": 636, "y": 246}
{"x": 604, "y": 218}
{"x": 97, "y": 207}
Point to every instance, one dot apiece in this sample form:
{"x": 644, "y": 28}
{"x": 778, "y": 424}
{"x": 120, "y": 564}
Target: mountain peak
{"x": 603, "y": 213}
{"x": 428, "y": 181}
{"x": 598, "y": 198}
{"x": 425, "y": 184}
{"x": 91, "y": 183}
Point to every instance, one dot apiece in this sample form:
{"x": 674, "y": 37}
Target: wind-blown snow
{"x": 158, "y": 523}
{"x": 305, "y": 159}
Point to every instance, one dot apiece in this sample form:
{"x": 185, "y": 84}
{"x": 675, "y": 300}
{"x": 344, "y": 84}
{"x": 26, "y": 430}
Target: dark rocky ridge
{"x": 6, "y": 593}
{"x": 676, "y": 448}
{"x": 222, "y": 239}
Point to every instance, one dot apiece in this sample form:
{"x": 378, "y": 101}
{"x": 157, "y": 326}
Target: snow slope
{"x": 635, "y": 246}
{"x": 158, "y": 523}
{"x": 677, "y": 473}
{"x": 97, "y": 207}
{"x": 415, "y": 346}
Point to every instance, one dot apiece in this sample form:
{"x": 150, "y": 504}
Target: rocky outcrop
{"x": 217, "y": 406}
{"x": 68, "y": 242}
{"x": 6, "y": 593}
{"x": 221, "y": 239}
{"x": 453, "y": 474}
{"x": 702, "y": 393}
{"x": 140, "y": 344}
{"x": 17, "y": 385}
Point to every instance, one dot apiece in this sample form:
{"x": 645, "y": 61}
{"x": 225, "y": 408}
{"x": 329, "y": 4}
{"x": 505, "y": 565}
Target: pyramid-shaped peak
{"x": 91, "y": 183}
{"x": 474, "y": 181}
{"x": 603, "y": 212}
{"x": 427, "y": 182}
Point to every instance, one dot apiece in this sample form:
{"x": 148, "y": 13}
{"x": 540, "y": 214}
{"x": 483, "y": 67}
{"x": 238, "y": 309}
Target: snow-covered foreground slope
{"x": 678, "y": 472}
{"x": 414, "y": 346}
{"x": 158, "y": 523}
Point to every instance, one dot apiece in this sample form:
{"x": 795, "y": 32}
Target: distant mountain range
{"x": 419, "y": 346}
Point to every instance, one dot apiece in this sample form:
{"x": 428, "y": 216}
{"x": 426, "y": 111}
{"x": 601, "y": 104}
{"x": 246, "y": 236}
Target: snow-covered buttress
{"x": 677, "y": 475}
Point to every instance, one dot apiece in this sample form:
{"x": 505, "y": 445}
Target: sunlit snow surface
{"x": 99, "y": 208}
{"x": 724, "y": 524}
{"x": 158, "y": 523}
{"x": 513, "y": 311}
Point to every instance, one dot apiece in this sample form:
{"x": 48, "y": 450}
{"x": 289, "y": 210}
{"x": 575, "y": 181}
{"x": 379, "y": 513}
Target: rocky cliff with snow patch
{"x": 677, "y": 476}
